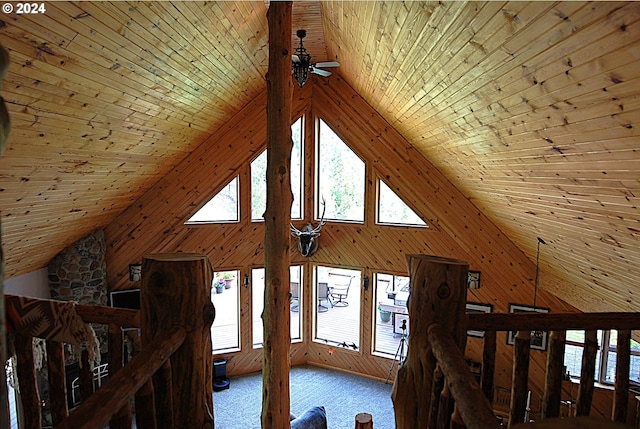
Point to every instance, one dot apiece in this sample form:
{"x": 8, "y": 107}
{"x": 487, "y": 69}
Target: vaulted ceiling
{"x": 532, "y": 109}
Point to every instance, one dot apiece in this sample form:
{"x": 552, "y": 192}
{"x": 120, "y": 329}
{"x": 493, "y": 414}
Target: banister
{"x": 101, "y": 314}
{"x": 551, "y": 321}
{"x": 96, "y": 411}
{"x": 473, "y": 406}
{"x": 109, "y": 315}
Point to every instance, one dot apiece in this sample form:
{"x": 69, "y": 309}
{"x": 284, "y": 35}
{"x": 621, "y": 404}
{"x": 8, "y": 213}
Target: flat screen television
{"x": 125, "y": 299}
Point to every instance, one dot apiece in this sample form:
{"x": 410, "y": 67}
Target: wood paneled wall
{"x": 457, "y": 229}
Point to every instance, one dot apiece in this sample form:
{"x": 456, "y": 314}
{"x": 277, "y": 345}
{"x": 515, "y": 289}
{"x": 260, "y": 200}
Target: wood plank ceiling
{"x": 531, "y": 108}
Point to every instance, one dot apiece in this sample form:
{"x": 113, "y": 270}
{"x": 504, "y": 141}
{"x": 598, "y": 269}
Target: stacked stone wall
{"x": 79, "y": 272}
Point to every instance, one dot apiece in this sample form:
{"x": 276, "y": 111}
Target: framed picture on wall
{"x": 538, "y": 338}
{"x": 473, "y": 280}
{"x": 474, "y": 307}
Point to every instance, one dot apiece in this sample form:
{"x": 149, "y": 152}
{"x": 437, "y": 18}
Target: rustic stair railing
{"x": 175, "y": 321}
{"x": 435, "y": 388}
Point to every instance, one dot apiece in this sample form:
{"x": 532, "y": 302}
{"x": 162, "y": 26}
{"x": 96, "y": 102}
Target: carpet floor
{"x": 343, "y": 396}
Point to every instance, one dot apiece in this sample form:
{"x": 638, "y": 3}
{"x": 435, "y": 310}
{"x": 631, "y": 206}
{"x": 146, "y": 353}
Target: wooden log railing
{"x": 26, "y": 373}
{"x": 97, "y": 410}
{"x": 557, "y": 324}
{"x": 435, "y": 389}
{"x": 174, "y": 349}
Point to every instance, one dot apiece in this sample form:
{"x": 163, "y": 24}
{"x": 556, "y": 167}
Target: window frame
{"x": 235, "y": 178}
{"x": 217, "y": 275}
{"x": 301, "y": 311}
{"x": 356, "y": 285}
{"x": 379, "y": 183}
{"x": 391, "y": 289}
{"x": 603, "y": 354}
{"x": 317, "y": 197}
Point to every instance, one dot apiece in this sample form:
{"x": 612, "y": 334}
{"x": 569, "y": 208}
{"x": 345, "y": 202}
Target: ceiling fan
{"x": 302, "y": 64}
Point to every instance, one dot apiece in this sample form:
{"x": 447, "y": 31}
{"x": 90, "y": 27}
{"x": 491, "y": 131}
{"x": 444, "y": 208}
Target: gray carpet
{"x": 342, "y": 395}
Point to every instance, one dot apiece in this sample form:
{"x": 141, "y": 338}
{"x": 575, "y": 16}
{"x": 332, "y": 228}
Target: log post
{"x": 555, "y": 374}
{"x": 4, "y": 133}
{"x": 585, "y": 390}
{"x": 520, "y": 379}
{"x": 57, "y": 382}
{"x": 277, "y": 218}
{"x": 623, "y": 359}
{"x": 85, "y": 377}
{"x": 27, "y": 381}
{"x": 438, "y": 294}
{"x": 364, "y": 421}
{"x": 176, "y": 292}
{"x": 488, "y": 364}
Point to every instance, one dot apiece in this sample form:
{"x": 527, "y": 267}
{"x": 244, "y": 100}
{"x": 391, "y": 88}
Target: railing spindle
{"x": 553, "y": 385}
{"x": 27, "y": 382}
{"x": 520, "y": 381}
{"x": 488, "y": 364}
{"x": 445, "y": 407}
{"x": 85, "y": 377}
{"x": 145, "y": 407}
{"x": 623, "y": 359}
{"x": 57, "y": 382}
{"x": 587, "y": 373}
{"x": 164, "y": 396}
{"x": 436, "y": 391}
{"x": 122, "y": 419}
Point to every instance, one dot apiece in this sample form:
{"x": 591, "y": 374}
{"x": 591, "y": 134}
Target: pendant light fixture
{"x": 535, "y": 286}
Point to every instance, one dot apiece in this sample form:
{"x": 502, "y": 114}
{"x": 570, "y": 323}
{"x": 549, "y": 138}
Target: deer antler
{"x": 295, "y": 231}
{"x": 317, "y": 229}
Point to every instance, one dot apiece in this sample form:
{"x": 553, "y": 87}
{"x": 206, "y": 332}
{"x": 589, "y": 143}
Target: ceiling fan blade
{"x": 328, "y": 64}
{"x": 320, "y": 72}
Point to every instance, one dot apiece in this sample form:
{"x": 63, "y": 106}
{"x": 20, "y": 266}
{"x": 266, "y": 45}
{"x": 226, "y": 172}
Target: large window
{"x": 391, "y": 314}
{"x": 225, "y": 295}
{"x": 259, "y": 177}
{"x": 340, "y": 178}
{"x": 223, "y": 207}
{"x": 605, "y": 358}
{"x": 257, "y": 306}
{"x": 337, "y": 306}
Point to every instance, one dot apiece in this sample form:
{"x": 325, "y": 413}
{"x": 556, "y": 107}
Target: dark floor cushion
{"x": 313, "y": 418}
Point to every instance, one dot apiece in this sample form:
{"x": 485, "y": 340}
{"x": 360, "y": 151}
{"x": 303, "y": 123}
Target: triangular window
{"x": 392, "y": 210}
{"x": 259, "y": 177}
{"x": 341, "y": 178}
{"x": 223, "y": 207}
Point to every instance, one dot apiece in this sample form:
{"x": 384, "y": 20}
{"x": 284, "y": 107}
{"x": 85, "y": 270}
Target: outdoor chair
{"x": 295, "y": 296}
{"x": 339, "y": 289}
{"x": 323, "y": 295}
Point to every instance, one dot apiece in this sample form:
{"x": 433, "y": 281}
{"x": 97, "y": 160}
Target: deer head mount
{"x": 308, "y": 236}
